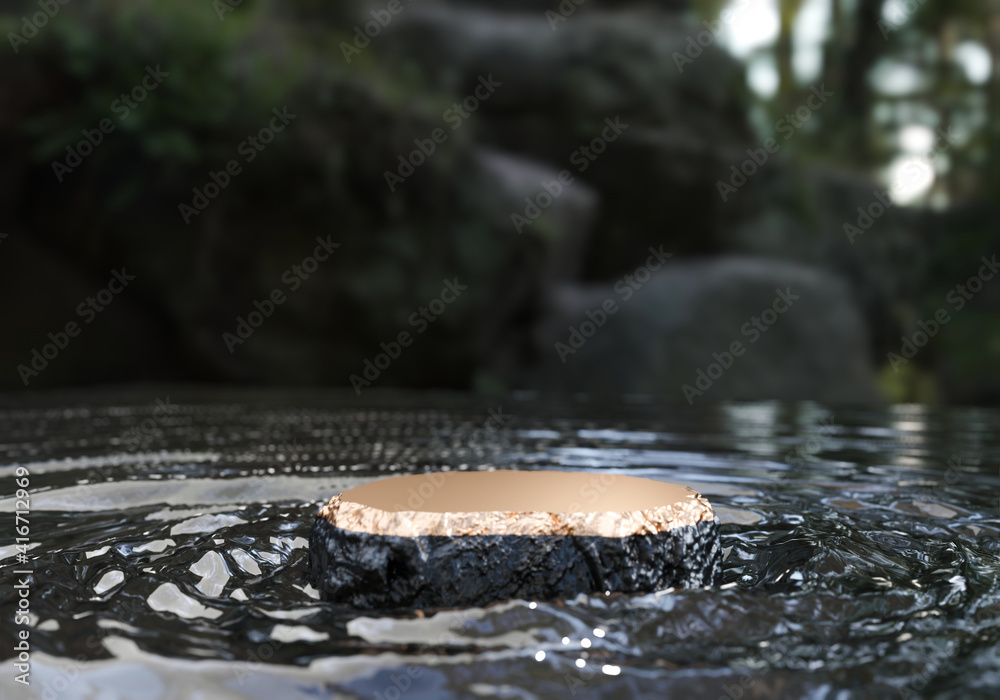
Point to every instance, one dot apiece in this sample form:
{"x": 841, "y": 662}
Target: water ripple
{"x": 862, "y": 551}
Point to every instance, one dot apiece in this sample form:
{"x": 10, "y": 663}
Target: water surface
{"x": 168, "y": 534}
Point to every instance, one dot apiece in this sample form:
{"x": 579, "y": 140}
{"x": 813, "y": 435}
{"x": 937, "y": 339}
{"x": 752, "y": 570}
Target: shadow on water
{"x": 169, "y": 545}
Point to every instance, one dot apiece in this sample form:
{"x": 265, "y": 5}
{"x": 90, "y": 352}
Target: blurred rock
{"x": 799, "y": 213}
{"x": 559, "y": 85}
{"x": 128, "y": 339}
{"x": 351, "y": 167}
{"x": 566, "y": 212}
{"x": 559, "y": 237}
{"x": 565, "y": 6}
{"x": 685, "y": 319}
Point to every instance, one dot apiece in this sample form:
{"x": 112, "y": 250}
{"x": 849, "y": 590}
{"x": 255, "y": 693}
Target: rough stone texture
{"x": 669, "y": 329}
{"x": 373, "y": 571}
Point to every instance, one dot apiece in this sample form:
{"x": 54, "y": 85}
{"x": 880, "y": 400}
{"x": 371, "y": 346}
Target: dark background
{"x": 911, "y": 102}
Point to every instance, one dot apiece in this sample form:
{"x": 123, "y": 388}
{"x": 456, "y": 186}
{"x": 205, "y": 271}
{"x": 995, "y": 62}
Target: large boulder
{"x": 563, "y": 85}
{"x": 800, "y": 335}
{"x": 78, "y": 325}
{"x": 558, "y": 239}
{"x": 815, "y": 216}
{"x": 213, "y": 256}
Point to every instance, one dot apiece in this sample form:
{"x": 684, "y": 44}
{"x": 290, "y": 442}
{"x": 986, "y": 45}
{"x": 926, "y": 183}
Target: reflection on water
{"x": 169, "y": 549}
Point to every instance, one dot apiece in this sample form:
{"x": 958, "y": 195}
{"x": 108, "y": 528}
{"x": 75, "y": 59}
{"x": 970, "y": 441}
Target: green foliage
{"x": 907, "y": 384}
{"x": 217, "y": 75}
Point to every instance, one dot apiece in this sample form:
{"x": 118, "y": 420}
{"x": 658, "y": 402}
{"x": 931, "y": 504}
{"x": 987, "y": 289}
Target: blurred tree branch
{"x": 864, "y": 47}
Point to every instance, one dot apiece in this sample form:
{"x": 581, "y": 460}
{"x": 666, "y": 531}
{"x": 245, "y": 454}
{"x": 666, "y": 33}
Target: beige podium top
{"x": 513, "y": 502}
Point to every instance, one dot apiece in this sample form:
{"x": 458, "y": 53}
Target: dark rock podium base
{"x": 370, "y": 571}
